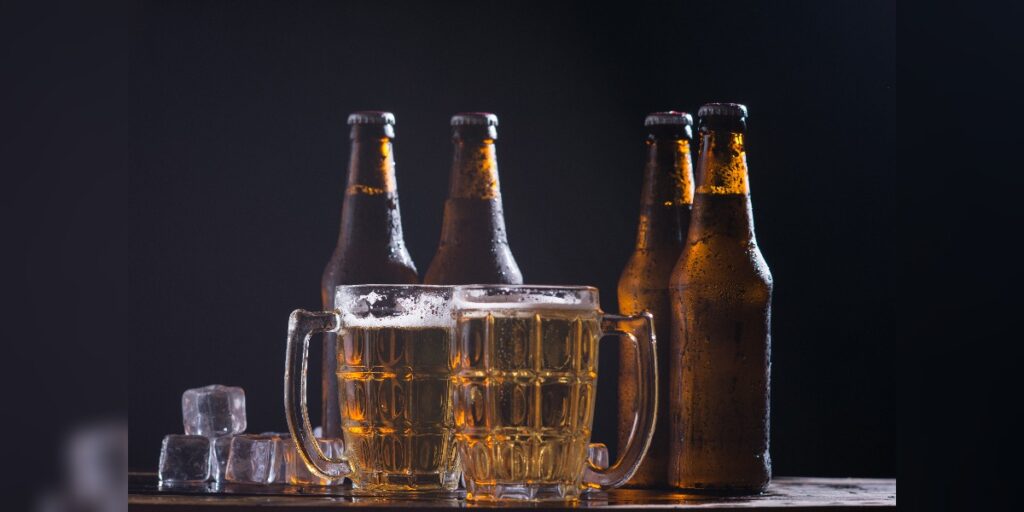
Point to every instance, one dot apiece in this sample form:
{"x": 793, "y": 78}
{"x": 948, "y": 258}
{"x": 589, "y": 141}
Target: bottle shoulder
{"x": 649, "y": 269}
{"x": 455, "y": 263}
{"x": 720, "y": 262}
{"x": 656, "y": 257}
{"x": 364, "y": 268}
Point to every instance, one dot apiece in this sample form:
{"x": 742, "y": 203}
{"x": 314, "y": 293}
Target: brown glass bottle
{"x": 665, "y": 202}
{"x": 474, "y": 247}
{"x": 371, "y": 249}
{"x": 721, "y": 312}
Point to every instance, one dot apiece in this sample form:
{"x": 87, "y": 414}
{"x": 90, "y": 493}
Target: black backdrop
{"x": 189, "y": 250}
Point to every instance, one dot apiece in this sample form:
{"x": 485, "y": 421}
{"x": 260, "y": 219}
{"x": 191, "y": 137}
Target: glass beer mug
{"x": 394, "y": 387}
{"x": 525, "y": 362}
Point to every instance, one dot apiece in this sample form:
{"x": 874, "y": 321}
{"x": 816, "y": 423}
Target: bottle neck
{"x": 667, "y": 194}
{"x": 370, "y": 212}
{"x": 473, "y": 210}
{"x": 474, "y": 170}
{"x": 722, "y": 203}
{"x": 371, "y": 168}
{"x": 723, "y": 164}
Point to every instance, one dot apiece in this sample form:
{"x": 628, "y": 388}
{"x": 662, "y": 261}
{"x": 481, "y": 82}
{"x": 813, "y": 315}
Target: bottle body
{"x": 474, "y": 246}
{"x": 371, "y": 247}
{"x": 721, "y": 311}
{"x": 644, "y": 283}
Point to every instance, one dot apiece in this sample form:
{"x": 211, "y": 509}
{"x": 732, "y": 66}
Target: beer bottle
{"x": 664, "y": 217}
{"x": 721, "y": 313}
{"x": 370, "y": 244}
{"x": 474, "y": 247}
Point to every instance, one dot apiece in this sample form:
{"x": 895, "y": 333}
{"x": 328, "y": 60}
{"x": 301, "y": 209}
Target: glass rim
{"x": 392, "y": 285}
{"x": 549, "y": 287}
{"x": 488, "y": 296}
{"x": 367, "y": 287}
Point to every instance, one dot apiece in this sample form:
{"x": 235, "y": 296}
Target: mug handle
{"x": 301, "y": 326}
{"x": 640, "y": 330}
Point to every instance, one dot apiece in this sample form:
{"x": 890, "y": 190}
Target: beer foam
{"x": 420, "y": 311}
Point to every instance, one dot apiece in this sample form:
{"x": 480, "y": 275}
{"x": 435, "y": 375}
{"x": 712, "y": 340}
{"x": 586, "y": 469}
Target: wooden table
{"x": 145, "y": 494}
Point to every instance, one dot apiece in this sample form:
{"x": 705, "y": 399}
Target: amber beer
{"x": 474, "y": 247}
{"x": 541, "y": 397}
{"x": 395, "y": 381}
{"x": 525, "y": 369}
{"x": 721, "y": 312}
{"x": 395, "y": 387}
{"x": 370, "y": 247}
{"x": 644, "y": 285}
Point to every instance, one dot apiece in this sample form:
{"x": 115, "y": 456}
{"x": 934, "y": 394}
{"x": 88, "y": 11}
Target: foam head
{"x": 394, "y": 305}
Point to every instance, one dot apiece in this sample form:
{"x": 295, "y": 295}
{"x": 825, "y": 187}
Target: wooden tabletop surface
{"x": 145, "y": 494}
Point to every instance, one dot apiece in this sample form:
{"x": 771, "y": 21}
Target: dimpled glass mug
{"x": 525, "y": 366}
{"x": 394, "y": 387}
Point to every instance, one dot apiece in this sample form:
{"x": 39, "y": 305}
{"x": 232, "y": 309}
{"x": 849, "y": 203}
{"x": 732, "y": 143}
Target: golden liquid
{"x": 524, "y": 400}
{"x": 394, "y": 387}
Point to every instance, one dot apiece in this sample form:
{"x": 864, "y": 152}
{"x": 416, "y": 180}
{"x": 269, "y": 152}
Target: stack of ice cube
{"x": 215, "y": 447}
{"x": 211, "y": 416}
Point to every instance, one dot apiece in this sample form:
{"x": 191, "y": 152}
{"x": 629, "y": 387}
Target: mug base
{"x": 522, "y": 492}
{"x": 386, "y": 483}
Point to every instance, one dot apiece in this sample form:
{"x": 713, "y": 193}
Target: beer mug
{"x": 394, "y": 387}
{"x": 525, "y": 362}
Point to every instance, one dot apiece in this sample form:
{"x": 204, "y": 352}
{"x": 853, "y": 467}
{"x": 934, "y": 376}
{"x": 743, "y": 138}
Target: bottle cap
{"x": 670, "y": 117}
{"x": 474, "y": 119}
{"x": 372, "y": 117}
{"x": 733, "y": 110}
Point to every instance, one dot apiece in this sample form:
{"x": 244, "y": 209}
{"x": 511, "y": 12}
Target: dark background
{"x": 186, "y": 179}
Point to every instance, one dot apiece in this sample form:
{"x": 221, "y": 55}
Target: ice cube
{"x": 250, "y": 459}
{"x": 220, "y": 449}
{"x": 297, "y": 473}
{"x": 278, "y": 465}
{"x": 184, "y": 458}
{"x": 287, "y": 466}
{"x": 213, "y": 410}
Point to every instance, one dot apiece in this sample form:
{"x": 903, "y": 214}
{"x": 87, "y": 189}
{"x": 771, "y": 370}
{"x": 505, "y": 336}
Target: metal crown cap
{"x": 723, "y": 110}
{"x": 474, "y": 119}
{"x": 670, "y": 117}
{"x": 376, "y": 117}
